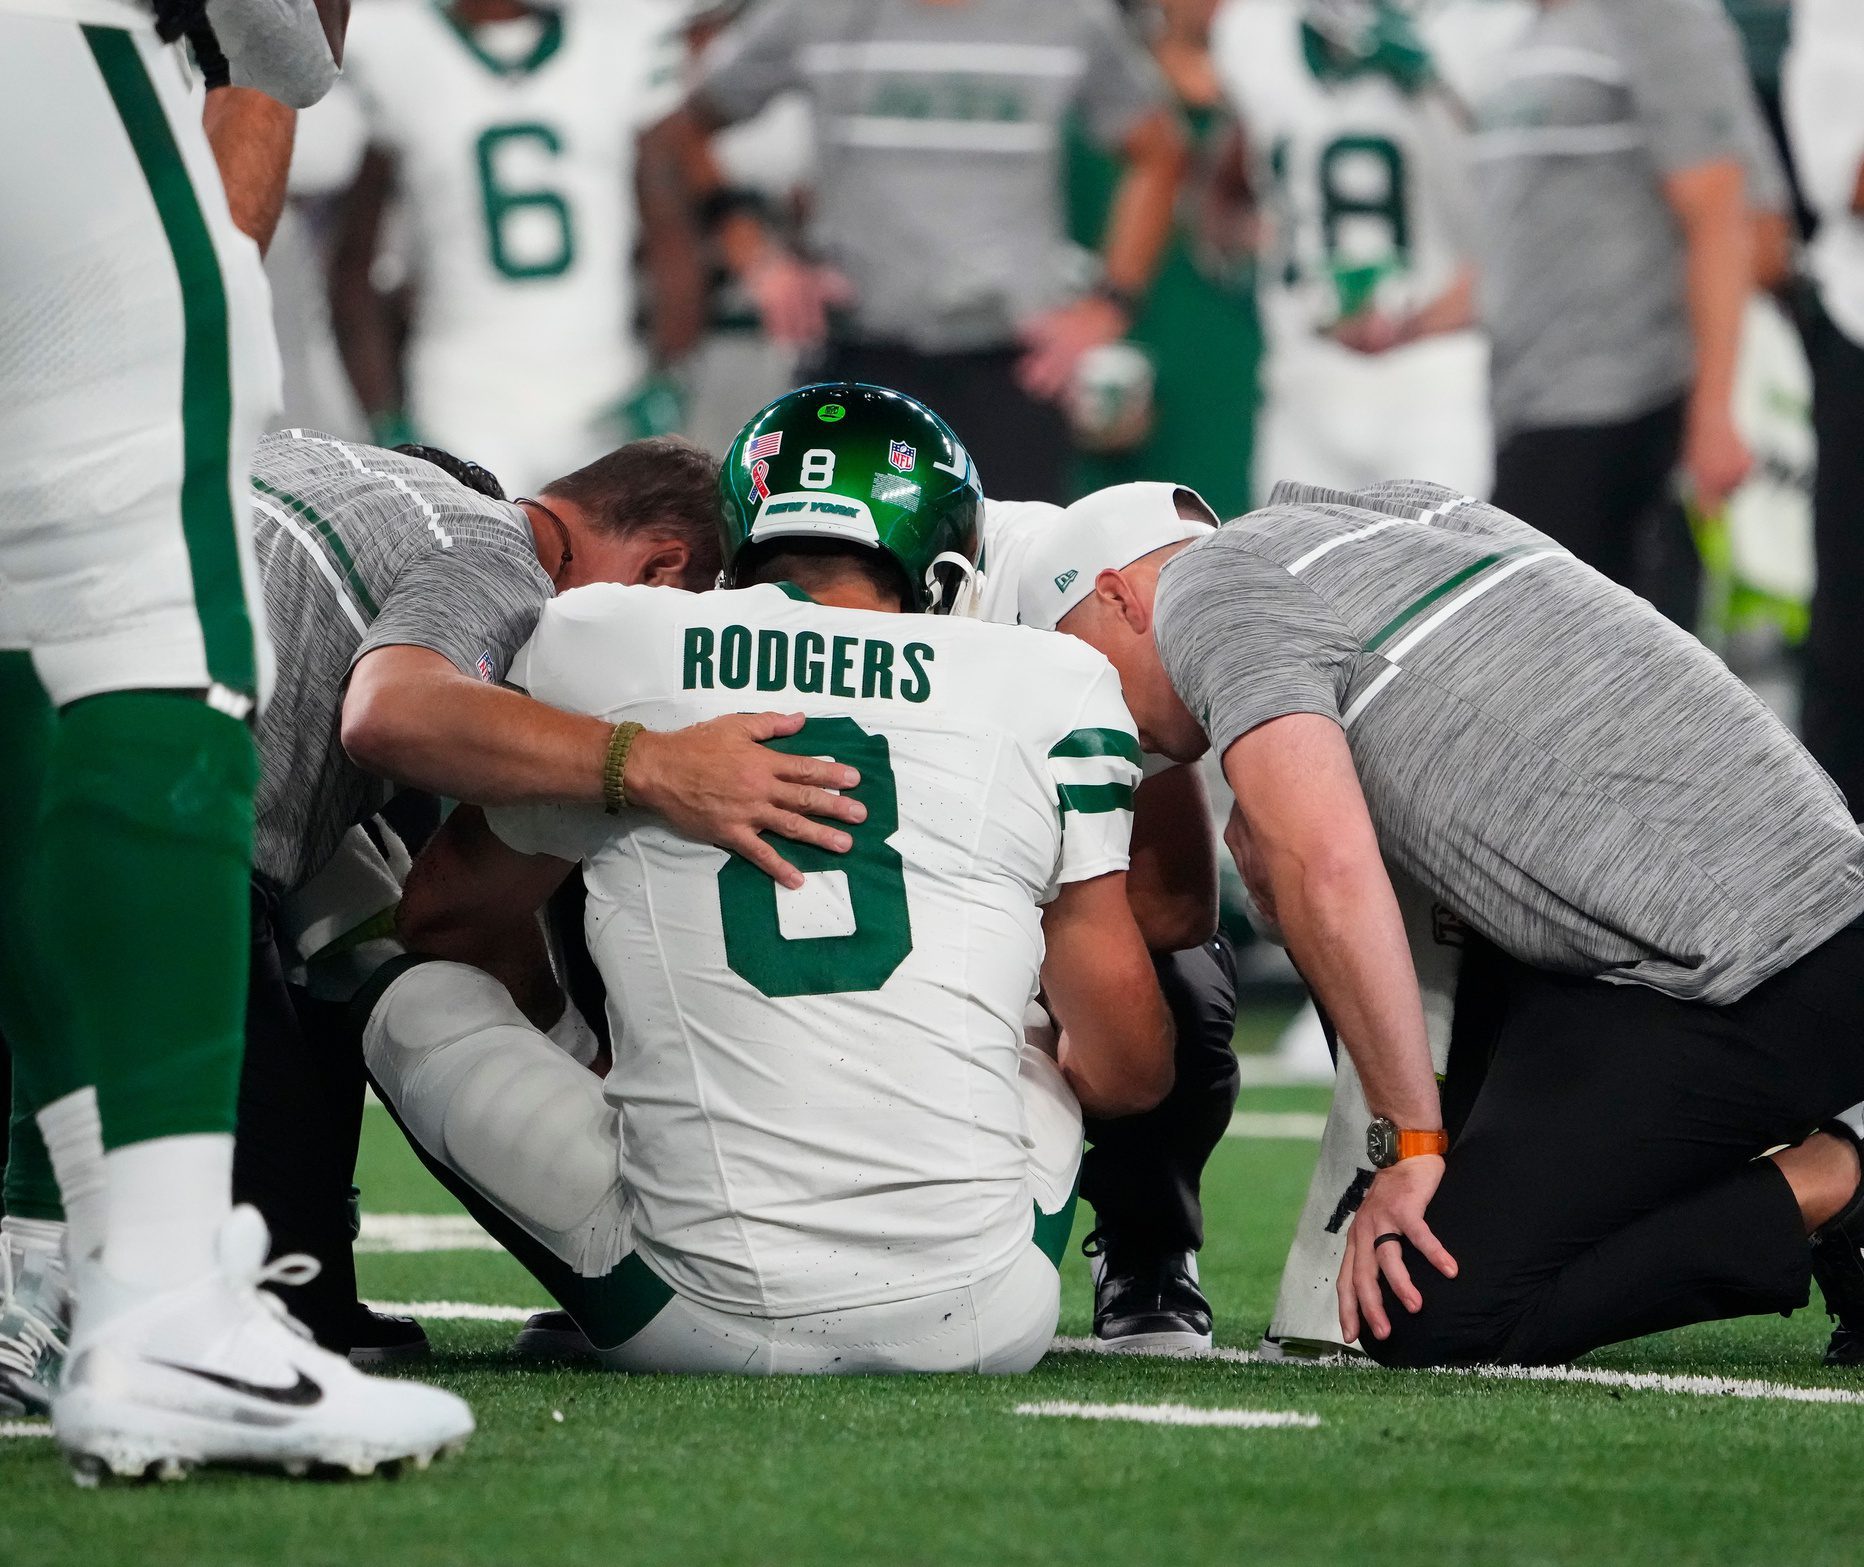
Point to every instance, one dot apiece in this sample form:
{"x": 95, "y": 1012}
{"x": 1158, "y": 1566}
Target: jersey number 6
{"x": 778, "y": 965}
{"x": 544, "y": 212}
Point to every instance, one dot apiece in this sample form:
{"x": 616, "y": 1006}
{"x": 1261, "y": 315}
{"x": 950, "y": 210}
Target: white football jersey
{"x": 1005, "y": 536}
{"x": 818, "y": 1089}
{"x": 1360, "y": 178}
{"x": 514, "y": 145}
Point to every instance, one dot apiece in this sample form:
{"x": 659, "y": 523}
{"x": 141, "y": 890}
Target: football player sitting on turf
{"x": 824, "y": 1145}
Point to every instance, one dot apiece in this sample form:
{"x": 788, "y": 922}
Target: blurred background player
{"x": 504, "y": 137}
{"x": 1825, "y": 105}
{"x": 1616, "y": 264}
{"x": 1358, "y": 151}
{"x": 137, "y": 363}
{"x": 938, "y": 260}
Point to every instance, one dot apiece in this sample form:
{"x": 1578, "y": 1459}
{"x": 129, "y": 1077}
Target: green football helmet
{"x": 845, "y": 461}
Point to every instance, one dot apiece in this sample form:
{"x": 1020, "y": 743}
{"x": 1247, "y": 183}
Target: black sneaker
{"x": 1838, "y": 1265}
{"x": 1147, "y": 1303}
{"x": 377, "y": 1339}
{"x": 553, "y": 1335}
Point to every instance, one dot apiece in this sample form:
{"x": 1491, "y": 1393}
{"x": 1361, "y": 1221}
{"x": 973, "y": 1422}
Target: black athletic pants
{"x": 1606, "y": 491}
{"x": 1834, "y": 708}
{"x": 1020, "y": 445}
{"x": 1604, "y": 1180}
{"x": 300, "y": 1121}
{"x": 1143, "y": 1173}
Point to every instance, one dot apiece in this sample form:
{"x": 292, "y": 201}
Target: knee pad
{"x": 426, "y": 1009}
{"x": 494, "y": 1100}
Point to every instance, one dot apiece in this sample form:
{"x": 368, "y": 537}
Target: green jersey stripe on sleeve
{"x": 1099, "y": 742}
{"x": 208, "y": 522}
{"x": 1095, "y": 799}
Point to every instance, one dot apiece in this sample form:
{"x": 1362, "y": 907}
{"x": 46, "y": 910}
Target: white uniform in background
{"x": 514, "y": 145}
{"x": 1360, "y": 180}
{"x": 325, "y": 155}
{"x": 824, "y": 1111}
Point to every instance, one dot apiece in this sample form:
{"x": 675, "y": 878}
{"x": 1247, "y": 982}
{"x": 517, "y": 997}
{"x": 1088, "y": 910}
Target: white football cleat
{"x": 35, "y": 1322}
{"x": 216, "y": 1372}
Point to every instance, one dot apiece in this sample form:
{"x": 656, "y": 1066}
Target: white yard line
{"x": 456, "y": 1310}
{"x": 1270, "y": 1071}
{"x": 24, "y": 1428}
{"x": 1634, "y": 1381}
{"x": 1176, "y": 1415}
{"x": 418, "y": 1232}
{"x": 1292, "y": 1125}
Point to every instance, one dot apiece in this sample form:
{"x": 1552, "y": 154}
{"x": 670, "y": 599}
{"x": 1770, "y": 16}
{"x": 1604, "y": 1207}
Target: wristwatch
{"x": 1387, "y": 1143}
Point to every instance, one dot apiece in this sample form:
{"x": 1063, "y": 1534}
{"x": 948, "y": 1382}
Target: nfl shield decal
{"x": 902, "y": 456}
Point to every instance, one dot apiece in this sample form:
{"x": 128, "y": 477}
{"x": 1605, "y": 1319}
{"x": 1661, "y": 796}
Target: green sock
{"x": 40, "y": 1067}
{"x": 143, "y": 893}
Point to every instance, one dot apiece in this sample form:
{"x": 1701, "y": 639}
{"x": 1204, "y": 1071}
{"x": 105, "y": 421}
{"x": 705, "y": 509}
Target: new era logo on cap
{"x": 1061, "y": 582}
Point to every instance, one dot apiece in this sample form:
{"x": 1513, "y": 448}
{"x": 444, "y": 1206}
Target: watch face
{"x": 1382, "y": 1143}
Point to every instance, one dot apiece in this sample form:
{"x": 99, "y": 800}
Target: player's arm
{"x": 672, "y": 248}
{"x": 411, "y": 715}
{"x": 291, "y": 50}
{"x": 793, "y": 295}
{"x": 1172, "y": 882}
{"x": 1117, "y": 1036}
{"x": 361, "y": 317}
{"x": 471, "y": 898}
{"x": 251, "y": 135}
{"x": 1711, "y": 210}
{"x": 1155, "y": 156}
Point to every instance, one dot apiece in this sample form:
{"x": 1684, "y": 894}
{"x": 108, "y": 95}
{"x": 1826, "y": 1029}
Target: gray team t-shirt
{"x": 1582, "y": 781}
{"x": 940, "y": 132}
{"x": 1580, "y": 259}
{"x": 358, "y": 549}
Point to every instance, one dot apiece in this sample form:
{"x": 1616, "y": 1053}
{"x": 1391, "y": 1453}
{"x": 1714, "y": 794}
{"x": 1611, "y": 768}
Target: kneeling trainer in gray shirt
{"x": 1582, "y": 781}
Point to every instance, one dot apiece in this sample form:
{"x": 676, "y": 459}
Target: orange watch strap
{"x": 1412, "y": 1144}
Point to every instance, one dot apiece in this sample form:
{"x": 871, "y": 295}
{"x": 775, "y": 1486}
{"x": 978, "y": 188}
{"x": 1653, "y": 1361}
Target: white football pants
{"x": 488, "y": 1098}
{"x": 1345, "y": 420}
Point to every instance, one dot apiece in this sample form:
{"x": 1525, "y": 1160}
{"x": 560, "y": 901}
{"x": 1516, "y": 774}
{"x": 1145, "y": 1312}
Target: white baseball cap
{"x": 1104, "y": 531}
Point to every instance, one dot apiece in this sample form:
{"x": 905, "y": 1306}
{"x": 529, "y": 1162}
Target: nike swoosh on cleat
{"x": 300, "y": 1396}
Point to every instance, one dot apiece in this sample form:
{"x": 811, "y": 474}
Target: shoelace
{"x": 27, "y": 1338}
{"x": 291, "y": 1270}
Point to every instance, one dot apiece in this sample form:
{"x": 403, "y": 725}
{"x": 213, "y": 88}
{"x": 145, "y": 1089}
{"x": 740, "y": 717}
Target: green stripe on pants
{"x": 1053, "y": 1229}
{"x": 207, "y": 519}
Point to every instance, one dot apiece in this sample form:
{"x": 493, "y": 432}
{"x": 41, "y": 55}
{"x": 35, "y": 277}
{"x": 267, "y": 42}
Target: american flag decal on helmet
{"x": 763, "y": 446}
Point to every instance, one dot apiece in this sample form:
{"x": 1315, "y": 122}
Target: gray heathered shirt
{"x": 1580, "y": 259}
{"x": 1583, "y": 782}
{"x": 940, "y": 134}
{"x": 358, "y": 549}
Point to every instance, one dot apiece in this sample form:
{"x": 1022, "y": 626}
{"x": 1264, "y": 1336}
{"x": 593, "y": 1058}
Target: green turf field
{"x": 575, "y": 1467}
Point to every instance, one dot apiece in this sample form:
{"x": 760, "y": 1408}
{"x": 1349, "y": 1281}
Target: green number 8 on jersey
{"x": 868, "y": 930}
